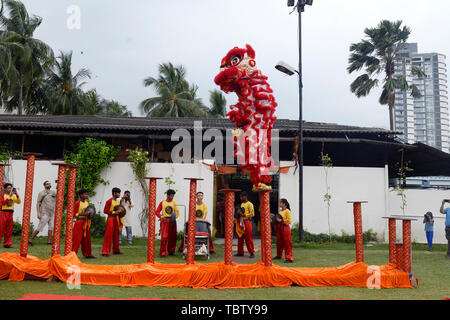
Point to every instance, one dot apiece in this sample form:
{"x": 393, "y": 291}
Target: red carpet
{"x": 71, "y": 297}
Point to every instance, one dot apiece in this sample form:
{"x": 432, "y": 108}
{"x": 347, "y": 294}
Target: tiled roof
{"x": 146, "y": 125}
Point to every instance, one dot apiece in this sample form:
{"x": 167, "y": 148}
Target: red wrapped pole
{"x": 392, "y": 239}
{"x": 407, "y": 254}
{"x": 358, "y": 230}
{"x": 151, "y": 220}
{"x": 59, "y": 207}
{"x": 31, "y": 157}
{"x": 191, "y": 221}
{"x": 69, "y": 212}
{"x": 266, "y": 237}
{"x": 229, "y": 218}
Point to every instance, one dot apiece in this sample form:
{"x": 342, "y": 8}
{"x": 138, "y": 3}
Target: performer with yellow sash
{"x": 9, "y": 198}
{"x": 201, "y": 211}
{"x": 113, "y": 225}
{"x": 284, "y": 241}
{"x": 82, "y": 228}
{"x": 244, "y": 226}
{"x": 167, "y": 212}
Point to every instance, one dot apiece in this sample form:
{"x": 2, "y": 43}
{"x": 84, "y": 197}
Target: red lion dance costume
{"x": 253, "y": 115}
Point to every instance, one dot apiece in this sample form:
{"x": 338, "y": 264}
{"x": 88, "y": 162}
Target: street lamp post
{"x": 283, "y": 67}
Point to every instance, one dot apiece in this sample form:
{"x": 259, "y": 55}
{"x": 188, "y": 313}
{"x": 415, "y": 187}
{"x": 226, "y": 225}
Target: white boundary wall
{"x": 346, "y": 184}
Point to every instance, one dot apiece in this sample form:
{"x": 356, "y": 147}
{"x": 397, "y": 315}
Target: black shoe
{"x": 49, "y": 243}
{"x": 179, "y": 250}
{"x": 162, "y": 256}
{"x": 117, "y": 252}
{"x": 171, "y": 254}
{"x": 105, "y": 255}
{"x": 276, "y": 258}
{"x": 7, "y": 246}
{"x": 239, "y": 255}
{"x": 252, "y": 255}
{"x": 213, "y": 253}
{"x": 30, "y": 243}
{"x": 288, "y": 261}
{"x": 91, "y": 257}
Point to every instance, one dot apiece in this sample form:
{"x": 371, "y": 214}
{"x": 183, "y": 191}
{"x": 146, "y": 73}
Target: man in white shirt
{"x": 45, "y": 208}
{"x": 127, "y": 221}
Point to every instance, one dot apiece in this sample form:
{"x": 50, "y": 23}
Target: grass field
{"x": 432, "y": 270}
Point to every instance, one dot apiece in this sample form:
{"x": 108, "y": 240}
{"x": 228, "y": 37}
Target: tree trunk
{"x": 391, "y": 111}
{"x": 20, "y": 104}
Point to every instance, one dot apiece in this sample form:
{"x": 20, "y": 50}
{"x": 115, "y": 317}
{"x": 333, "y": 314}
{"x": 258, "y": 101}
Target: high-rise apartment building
{"x": 425, "y": 119}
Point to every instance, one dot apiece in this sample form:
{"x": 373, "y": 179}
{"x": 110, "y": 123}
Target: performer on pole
{"x": 201, "y": 211}
{"x": 284, "y": 241}
{"x": 82, "y": 228}
{"x": 113, "y": 225}
{"x": 10, "y": 197}
{"x": 247, "y": 213}
{"x": 168, "y": 224}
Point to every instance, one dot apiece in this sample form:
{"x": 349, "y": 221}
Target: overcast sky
{"x": 123, "y": 42}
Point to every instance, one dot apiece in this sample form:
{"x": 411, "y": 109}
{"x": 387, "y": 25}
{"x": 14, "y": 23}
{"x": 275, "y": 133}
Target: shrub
{"x": 98, "y": 226}
{"x": 17, "y": 228}
{"x": 368, "y": 236}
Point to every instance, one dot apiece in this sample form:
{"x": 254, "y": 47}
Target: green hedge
{"x": 369, "y": 235}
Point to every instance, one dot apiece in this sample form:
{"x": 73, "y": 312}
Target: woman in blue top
{"x": 429, "y": 223}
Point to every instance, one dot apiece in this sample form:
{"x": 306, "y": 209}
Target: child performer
{"x": 113, "y": 225}
{"x": 168, "y": 224}
{"x": 82, "y": 227}
{"x": 284, "y": 241}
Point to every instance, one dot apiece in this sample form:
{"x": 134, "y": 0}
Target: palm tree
{"x": 34, "y": 58}
{"x": 175, "y": 98}
{"x": 218, "y": 104}
{"x": 114, "y": 108}
{"x": 377, "y": 54}
{"x": 67, "y": 96}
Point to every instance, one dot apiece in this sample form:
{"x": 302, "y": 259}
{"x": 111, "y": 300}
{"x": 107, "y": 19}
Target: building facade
{"x": 425, "y": 119}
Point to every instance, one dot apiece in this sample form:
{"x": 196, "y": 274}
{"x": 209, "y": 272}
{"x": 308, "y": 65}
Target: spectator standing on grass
{"x": 446, "y": 211}
{"x": 45, "y": 208}
{"x": 127, "y": 223}
{"x": 429, "y": 226}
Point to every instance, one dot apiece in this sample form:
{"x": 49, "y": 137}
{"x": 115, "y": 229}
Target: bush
{"x": 98, "y": 226}
{"x": 368, "y": 236}
{"x": 17, "y": 228}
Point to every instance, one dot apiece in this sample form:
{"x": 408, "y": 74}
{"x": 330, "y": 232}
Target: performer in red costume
{"x": 82, "y": 228}
{"x": 248, "y": 212}
{"x": 112, "y": 225}
{"x": 284, "y": 241}
{"x": 168, "y": 224}
{"x": 10, "y": 197}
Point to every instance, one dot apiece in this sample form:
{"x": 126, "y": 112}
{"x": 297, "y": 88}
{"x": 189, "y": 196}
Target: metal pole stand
{"x": 70, "y": 204}
{"x": 358, "y": 230}
{"x": 229, "y": 218}
{"x": 266, "y": 231}
{"x": 191, "y": 221}
{"x": 151, "y": 220}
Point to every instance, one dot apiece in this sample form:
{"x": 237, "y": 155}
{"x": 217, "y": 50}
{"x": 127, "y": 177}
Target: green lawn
{"x": 432, "y": 270}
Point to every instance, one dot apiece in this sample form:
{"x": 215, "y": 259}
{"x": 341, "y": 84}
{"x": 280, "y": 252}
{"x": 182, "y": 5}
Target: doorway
{"x": 243, "y": 183}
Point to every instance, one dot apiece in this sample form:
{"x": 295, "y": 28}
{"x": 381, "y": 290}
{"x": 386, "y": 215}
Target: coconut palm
{"x": 377, "y": 53}
{"x": 34, "y": 57}
{"x": 218, "y": 104}
{"x": 67, "y": 96}
{"x": 175, "y": 98}
{"x": 114, "y": 108}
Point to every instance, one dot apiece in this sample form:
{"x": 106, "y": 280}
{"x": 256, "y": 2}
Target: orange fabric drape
{"x": 199, "y": 275}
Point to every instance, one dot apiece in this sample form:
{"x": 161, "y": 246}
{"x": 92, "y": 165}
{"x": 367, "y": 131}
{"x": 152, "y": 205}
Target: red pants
{"x": 211, "y": 247}
{"x": 6, "y": 227}
{"x": 111, "y": 233}
{"x": 80, "y": 239}
{"x": 248, "y": 237}
{"x": 168, "y": 237}
{"x": 284, "y": 241}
